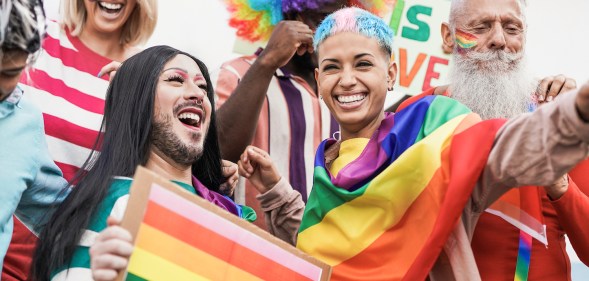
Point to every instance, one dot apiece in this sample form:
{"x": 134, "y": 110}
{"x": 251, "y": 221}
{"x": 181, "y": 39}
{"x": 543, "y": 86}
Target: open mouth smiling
{"x": 111, "y": 8}
{"x": 350, "y": 99}
{"x": 191, "y": 117}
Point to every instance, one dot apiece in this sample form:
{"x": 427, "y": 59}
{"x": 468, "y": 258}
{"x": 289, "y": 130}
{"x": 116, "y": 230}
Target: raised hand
{"x": 110, "y": 69}
{"x": 257, "y": 166}
{"x": 552, "y": 86}
{"x": 230, "y": 174}
{"x": 287, "y": 38}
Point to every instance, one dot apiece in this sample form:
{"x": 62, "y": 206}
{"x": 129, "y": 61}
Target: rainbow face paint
{"x": 465, "y": 40}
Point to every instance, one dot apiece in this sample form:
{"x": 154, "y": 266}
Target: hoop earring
{"x": 339, "y": 135}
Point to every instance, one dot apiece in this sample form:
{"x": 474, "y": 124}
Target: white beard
{"x": 494, "y": 84}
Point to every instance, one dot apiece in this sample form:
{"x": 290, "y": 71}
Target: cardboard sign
{"x": 421, "y": 62}
{"x": 180, "y": 236}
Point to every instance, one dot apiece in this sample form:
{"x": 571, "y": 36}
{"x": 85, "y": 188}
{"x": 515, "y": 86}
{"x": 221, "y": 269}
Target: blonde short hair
{"x": 136, "y": 31}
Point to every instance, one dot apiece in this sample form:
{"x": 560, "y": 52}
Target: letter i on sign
{"x": 399, "y": 6}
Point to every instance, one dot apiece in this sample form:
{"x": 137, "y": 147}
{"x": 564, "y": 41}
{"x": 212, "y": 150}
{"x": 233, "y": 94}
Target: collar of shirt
{"x": 7, "y": 106}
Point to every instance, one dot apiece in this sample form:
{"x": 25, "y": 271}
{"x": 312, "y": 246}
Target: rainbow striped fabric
{"x": 522, "y": 208}
{"x": 180, "y": 240}
{"x": 387, "y": 214}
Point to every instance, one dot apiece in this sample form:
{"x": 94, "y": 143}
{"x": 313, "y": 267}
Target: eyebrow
{"x": 176, "y": 68}
{"x": 355, "y": 57}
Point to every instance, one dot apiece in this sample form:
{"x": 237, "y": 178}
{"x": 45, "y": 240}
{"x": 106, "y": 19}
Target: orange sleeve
{"x": 573, "y": 210}
{"x": 580, "y": 175}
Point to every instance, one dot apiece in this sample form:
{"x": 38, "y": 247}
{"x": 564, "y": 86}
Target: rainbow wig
{"x": 358, "y": 21}
{"x": 255, "y": 19}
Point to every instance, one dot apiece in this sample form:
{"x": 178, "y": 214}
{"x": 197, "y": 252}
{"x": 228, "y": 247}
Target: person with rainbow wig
{"x": 397, "y": 197}
{"x": 269, "y": 99}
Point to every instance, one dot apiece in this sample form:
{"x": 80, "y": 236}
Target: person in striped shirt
{"x": 159, "y": 113}
{"x": 31, "y": 182}
{"x": 63, "y": 83}
{"x": 273, "y": 92}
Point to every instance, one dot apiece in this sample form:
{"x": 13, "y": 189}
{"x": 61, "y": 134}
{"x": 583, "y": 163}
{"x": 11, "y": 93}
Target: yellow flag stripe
{"x": 173, "y": 259}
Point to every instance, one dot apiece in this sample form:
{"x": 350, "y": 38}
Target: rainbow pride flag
{"x": 388, "y": 214}
{"x": 179, "y": 236}
{"x": 521, "y": 207}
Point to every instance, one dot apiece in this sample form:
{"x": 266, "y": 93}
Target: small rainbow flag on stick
{"x": 180, "y": 236}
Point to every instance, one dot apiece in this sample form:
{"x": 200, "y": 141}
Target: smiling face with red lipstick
{"x": 182, "y": 111}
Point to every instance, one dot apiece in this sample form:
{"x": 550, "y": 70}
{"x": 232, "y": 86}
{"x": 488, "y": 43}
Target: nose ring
{"x": 199, "y": 102}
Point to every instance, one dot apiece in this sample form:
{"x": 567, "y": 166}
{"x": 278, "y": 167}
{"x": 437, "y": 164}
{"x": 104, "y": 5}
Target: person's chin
{"x": 351, "y": 118}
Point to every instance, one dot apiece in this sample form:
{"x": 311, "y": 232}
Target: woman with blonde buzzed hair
{"x": 63, "y": 83}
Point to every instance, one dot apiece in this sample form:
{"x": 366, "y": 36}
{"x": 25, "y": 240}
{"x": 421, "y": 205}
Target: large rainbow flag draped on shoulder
{"x": 388, "y": 214}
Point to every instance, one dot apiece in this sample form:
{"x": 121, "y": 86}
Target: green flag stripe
{"x": 433, "y": 119}
{"x": 324, "y": 197}
{"x": 133, "y": 277}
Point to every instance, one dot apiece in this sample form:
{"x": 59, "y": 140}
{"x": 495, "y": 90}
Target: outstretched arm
{"x": 538, "y": 148}
{"x": 238, "y": 116}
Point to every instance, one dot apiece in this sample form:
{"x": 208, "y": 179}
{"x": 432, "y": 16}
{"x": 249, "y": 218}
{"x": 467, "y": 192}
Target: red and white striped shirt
{"x": 64, "y": 85}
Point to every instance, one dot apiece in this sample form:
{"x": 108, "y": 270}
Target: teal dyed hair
{"x": 355, "y": 20}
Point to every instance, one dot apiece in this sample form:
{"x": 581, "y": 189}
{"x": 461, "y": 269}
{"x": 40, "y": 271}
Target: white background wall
{"x": 558, "y": 38}
{"x": 558, "y": 41}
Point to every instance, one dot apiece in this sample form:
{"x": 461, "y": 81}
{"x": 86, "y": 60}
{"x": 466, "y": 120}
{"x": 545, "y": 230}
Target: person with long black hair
{"x": 159, "y": 114}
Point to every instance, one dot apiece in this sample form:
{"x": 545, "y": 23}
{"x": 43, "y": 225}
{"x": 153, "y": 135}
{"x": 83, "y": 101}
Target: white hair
{"x": 456, "y": 10}
{"x": 494, "y": 84}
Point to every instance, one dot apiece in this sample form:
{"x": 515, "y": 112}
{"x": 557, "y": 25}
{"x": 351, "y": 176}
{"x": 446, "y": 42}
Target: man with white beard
{"x": 521, "y": 236}
{"x": 494, "y": 83}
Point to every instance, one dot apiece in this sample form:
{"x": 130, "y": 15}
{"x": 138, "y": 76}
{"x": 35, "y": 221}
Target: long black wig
{"x": 125, "y": 144}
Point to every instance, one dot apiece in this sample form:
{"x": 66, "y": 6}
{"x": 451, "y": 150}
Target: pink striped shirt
{"x": 63, "y": 84}
{"x": 291, "y": 125}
